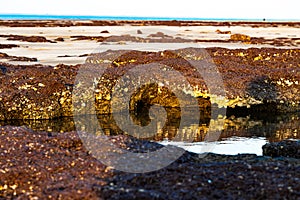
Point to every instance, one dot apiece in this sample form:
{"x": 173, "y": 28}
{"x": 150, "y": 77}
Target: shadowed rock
{"x": 52, "y": 165}
{"x": 285, "y": 148}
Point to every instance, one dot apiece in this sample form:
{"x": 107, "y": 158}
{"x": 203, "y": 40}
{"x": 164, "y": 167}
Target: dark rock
{"x": 26, "y": 38}
{"x": 8, "y": 46}
{"x": 3, "y": 69}
{"x": 105, "y": 31}
{"x": 17, "y": 58}
{"x": 83, "y": 37}
{"x": 59, "y": 39}
{"x": 23, "y": 59}
{"x": 43, "y": 165}
{"x": 285, "y": 148}
{"x": 84, "y": 55}
{"x": 139, "y": 32}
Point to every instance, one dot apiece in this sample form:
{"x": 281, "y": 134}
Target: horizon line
{"x": 106, "y": 17}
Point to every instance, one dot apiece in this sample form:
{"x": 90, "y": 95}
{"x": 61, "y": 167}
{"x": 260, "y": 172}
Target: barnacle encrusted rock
{"x": 36, "y": 92}
{"x": 254, "y": 79}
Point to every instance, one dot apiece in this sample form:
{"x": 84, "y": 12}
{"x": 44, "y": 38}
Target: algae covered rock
{"x": 253, "y": 79}
{"x": 240, "y": 37}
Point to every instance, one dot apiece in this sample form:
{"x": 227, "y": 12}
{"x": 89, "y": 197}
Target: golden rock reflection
{"x": 274, "y": 128}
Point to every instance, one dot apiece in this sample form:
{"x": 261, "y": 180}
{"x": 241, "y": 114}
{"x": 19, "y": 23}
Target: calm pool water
{"x": 236, "y": 134}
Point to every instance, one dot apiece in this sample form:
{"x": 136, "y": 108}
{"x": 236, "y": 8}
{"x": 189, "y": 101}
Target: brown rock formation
{"x": 257, "y": 79}
{"x": 26, "y": 38}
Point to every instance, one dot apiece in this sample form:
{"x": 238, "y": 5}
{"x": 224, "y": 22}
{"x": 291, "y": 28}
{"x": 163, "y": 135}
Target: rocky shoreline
{"x": 158, "y": 37}
{"x": 49, "y": 160}
{"x": 254, "y": 80}
{"x": 53, "y": 165}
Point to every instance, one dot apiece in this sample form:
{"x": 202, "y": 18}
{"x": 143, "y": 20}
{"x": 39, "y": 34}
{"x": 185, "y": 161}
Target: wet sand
{"x": 52, "y": 44}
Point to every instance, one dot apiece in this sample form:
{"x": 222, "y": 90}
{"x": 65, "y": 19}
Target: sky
{"x": 237, "y": 9}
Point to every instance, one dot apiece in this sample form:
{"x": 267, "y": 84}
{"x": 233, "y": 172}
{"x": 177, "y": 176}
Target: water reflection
{"x": 269, "y": 126}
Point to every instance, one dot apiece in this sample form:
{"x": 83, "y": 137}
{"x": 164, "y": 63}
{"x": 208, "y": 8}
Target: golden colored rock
{"x": 240, "y": 37}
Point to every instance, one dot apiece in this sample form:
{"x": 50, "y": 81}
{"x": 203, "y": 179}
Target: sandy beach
{"x": 203, "y": 36}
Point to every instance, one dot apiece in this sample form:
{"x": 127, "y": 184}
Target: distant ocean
{"x": 86, "y": 17}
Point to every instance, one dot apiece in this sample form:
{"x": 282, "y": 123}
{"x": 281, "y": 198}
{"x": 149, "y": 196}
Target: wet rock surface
{"x": 254, "y": 79}
{"x": 283, "y": 148}
{"x": 52, "y": 165}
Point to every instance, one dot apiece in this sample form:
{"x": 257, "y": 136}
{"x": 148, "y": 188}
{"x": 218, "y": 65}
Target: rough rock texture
{"x": 46, "y": 165}
{"x": 254, "y": 79}
{"x": 36, "y": 92}
{"x": 259, "y": 79}
{"x": 57, "y": 166}
{"x": 283, "y": 148}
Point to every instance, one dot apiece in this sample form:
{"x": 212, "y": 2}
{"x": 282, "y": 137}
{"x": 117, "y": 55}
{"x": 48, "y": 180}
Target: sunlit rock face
{"x": 253, "y": 79}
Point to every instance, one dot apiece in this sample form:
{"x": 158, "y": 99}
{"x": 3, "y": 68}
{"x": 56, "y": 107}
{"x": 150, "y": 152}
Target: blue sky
{"x": 247, "y": 9}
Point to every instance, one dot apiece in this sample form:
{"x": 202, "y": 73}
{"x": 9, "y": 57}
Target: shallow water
{"x": 234, "y": 134}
